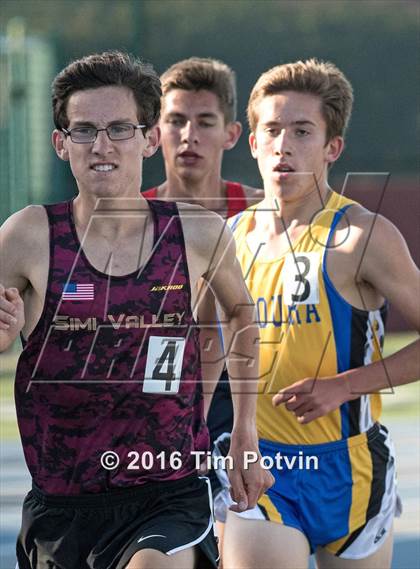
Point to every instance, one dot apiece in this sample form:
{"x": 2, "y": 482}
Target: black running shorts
{"x": 104, "y": 531}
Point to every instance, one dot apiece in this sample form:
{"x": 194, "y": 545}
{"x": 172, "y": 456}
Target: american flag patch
{"x": 74, "y": 291}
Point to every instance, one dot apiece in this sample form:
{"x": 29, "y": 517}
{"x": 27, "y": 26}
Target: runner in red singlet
{"x": 198, "y": 123}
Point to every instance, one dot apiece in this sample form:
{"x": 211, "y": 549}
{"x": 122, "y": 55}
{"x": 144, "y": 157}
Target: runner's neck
{"x": 210, "y": 195}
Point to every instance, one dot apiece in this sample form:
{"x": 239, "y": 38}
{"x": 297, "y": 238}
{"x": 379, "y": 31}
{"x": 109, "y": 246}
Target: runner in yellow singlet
{"x": 320, "y": 269}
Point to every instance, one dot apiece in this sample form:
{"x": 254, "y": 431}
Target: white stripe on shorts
{"x": 376, "y": 530}
{"x": 209, "y": 527}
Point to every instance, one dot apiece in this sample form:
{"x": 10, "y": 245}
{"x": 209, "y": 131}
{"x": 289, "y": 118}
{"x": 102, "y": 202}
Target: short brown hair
{"x": 108, "y": 69}
{"x": 319, "y": 78}
{"x": 198, "y": 73}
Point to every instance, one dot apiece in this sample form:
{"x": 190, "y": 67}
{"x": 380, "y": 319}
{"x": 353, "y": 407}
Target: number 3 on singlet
{"x": 300, "y": 278}
{"x": 163, "y": 365}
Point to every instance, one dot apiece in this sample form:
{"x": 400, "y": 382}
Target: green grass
{"x": 404, "y": 402}
{"x": 8, "y": 425}
{"x": 394, "y": 342}
{"x": 9, "y": 429}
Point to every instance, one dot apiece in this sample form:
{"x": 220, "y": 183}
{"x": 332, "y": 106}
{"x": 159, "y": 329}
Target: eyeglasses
{"x": 88, "y": 134}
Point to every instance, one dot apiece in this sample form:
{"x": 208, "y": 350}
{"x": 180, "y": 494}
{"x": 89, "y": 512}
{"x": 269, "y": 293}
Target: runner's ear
{"x": 59, "y": 143}
{"x": 252, "y": 139}
{"x": 152, "y": 137}
{"x": 233, "y": 131}
{"x": 334, "y": 148}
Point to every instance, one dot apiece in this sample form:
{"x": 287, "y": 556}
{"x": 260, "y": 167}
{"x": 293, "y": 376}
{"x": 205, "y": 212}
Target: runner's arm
{"x": 386, "y": 264}
{"x": 13, "y": 246}
{"x": 212, "y": 257}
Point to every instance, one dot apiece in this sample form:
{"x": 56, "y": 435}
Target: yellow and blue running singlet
{"x": 307, "y": 329}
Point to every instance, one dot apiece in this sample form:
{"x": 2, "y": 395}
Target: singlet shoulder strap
{"x": 163, "y": 212}
{"x": 236, "y": 198}
{"x": 150, "y": 194}
{"x": 168, "y": 227}
{"x": 335, "y": 221}
{"x": 170, "y": 241}
{"x": 62, "y": 230}
{"x": 234, "y": 221}
{"x": 58, "y": 211}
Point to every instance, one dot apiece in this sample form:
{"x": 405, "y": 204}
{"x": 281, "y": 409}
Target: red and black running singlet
{"x": 235, "y": 197}
{"x": 112, "y": 365}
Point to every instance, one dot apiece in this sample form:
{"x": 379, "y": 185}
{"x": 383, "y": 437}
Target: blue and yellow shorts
{"x": 341, "y": 495}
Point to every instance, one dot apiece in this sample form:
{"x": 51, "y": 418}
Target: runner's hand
{"x": 247, "y": 484}
{"x": 312, "y": 398}
{"x": 12, "y": 317}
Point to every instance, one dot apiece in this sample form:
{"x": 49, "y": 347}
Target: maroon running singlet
{"x": 112, "y": 365}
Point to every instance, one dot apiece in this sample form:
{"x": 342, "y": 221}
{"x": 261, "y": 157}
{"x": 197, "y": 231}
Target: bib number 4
{"x": 163, "y": 365}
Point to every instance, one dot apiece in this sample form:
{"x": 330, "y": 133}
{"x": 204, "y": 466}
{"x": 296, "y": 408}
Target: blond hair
{"x": 320, "y": 78}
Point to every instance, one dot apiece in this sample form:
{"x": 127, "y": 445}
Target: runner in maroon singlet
{"x": 108, "y": 386}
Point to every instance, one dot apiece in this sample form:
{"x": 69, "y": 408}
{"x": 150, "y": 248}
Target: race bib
{"x": 163, "y": 365}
